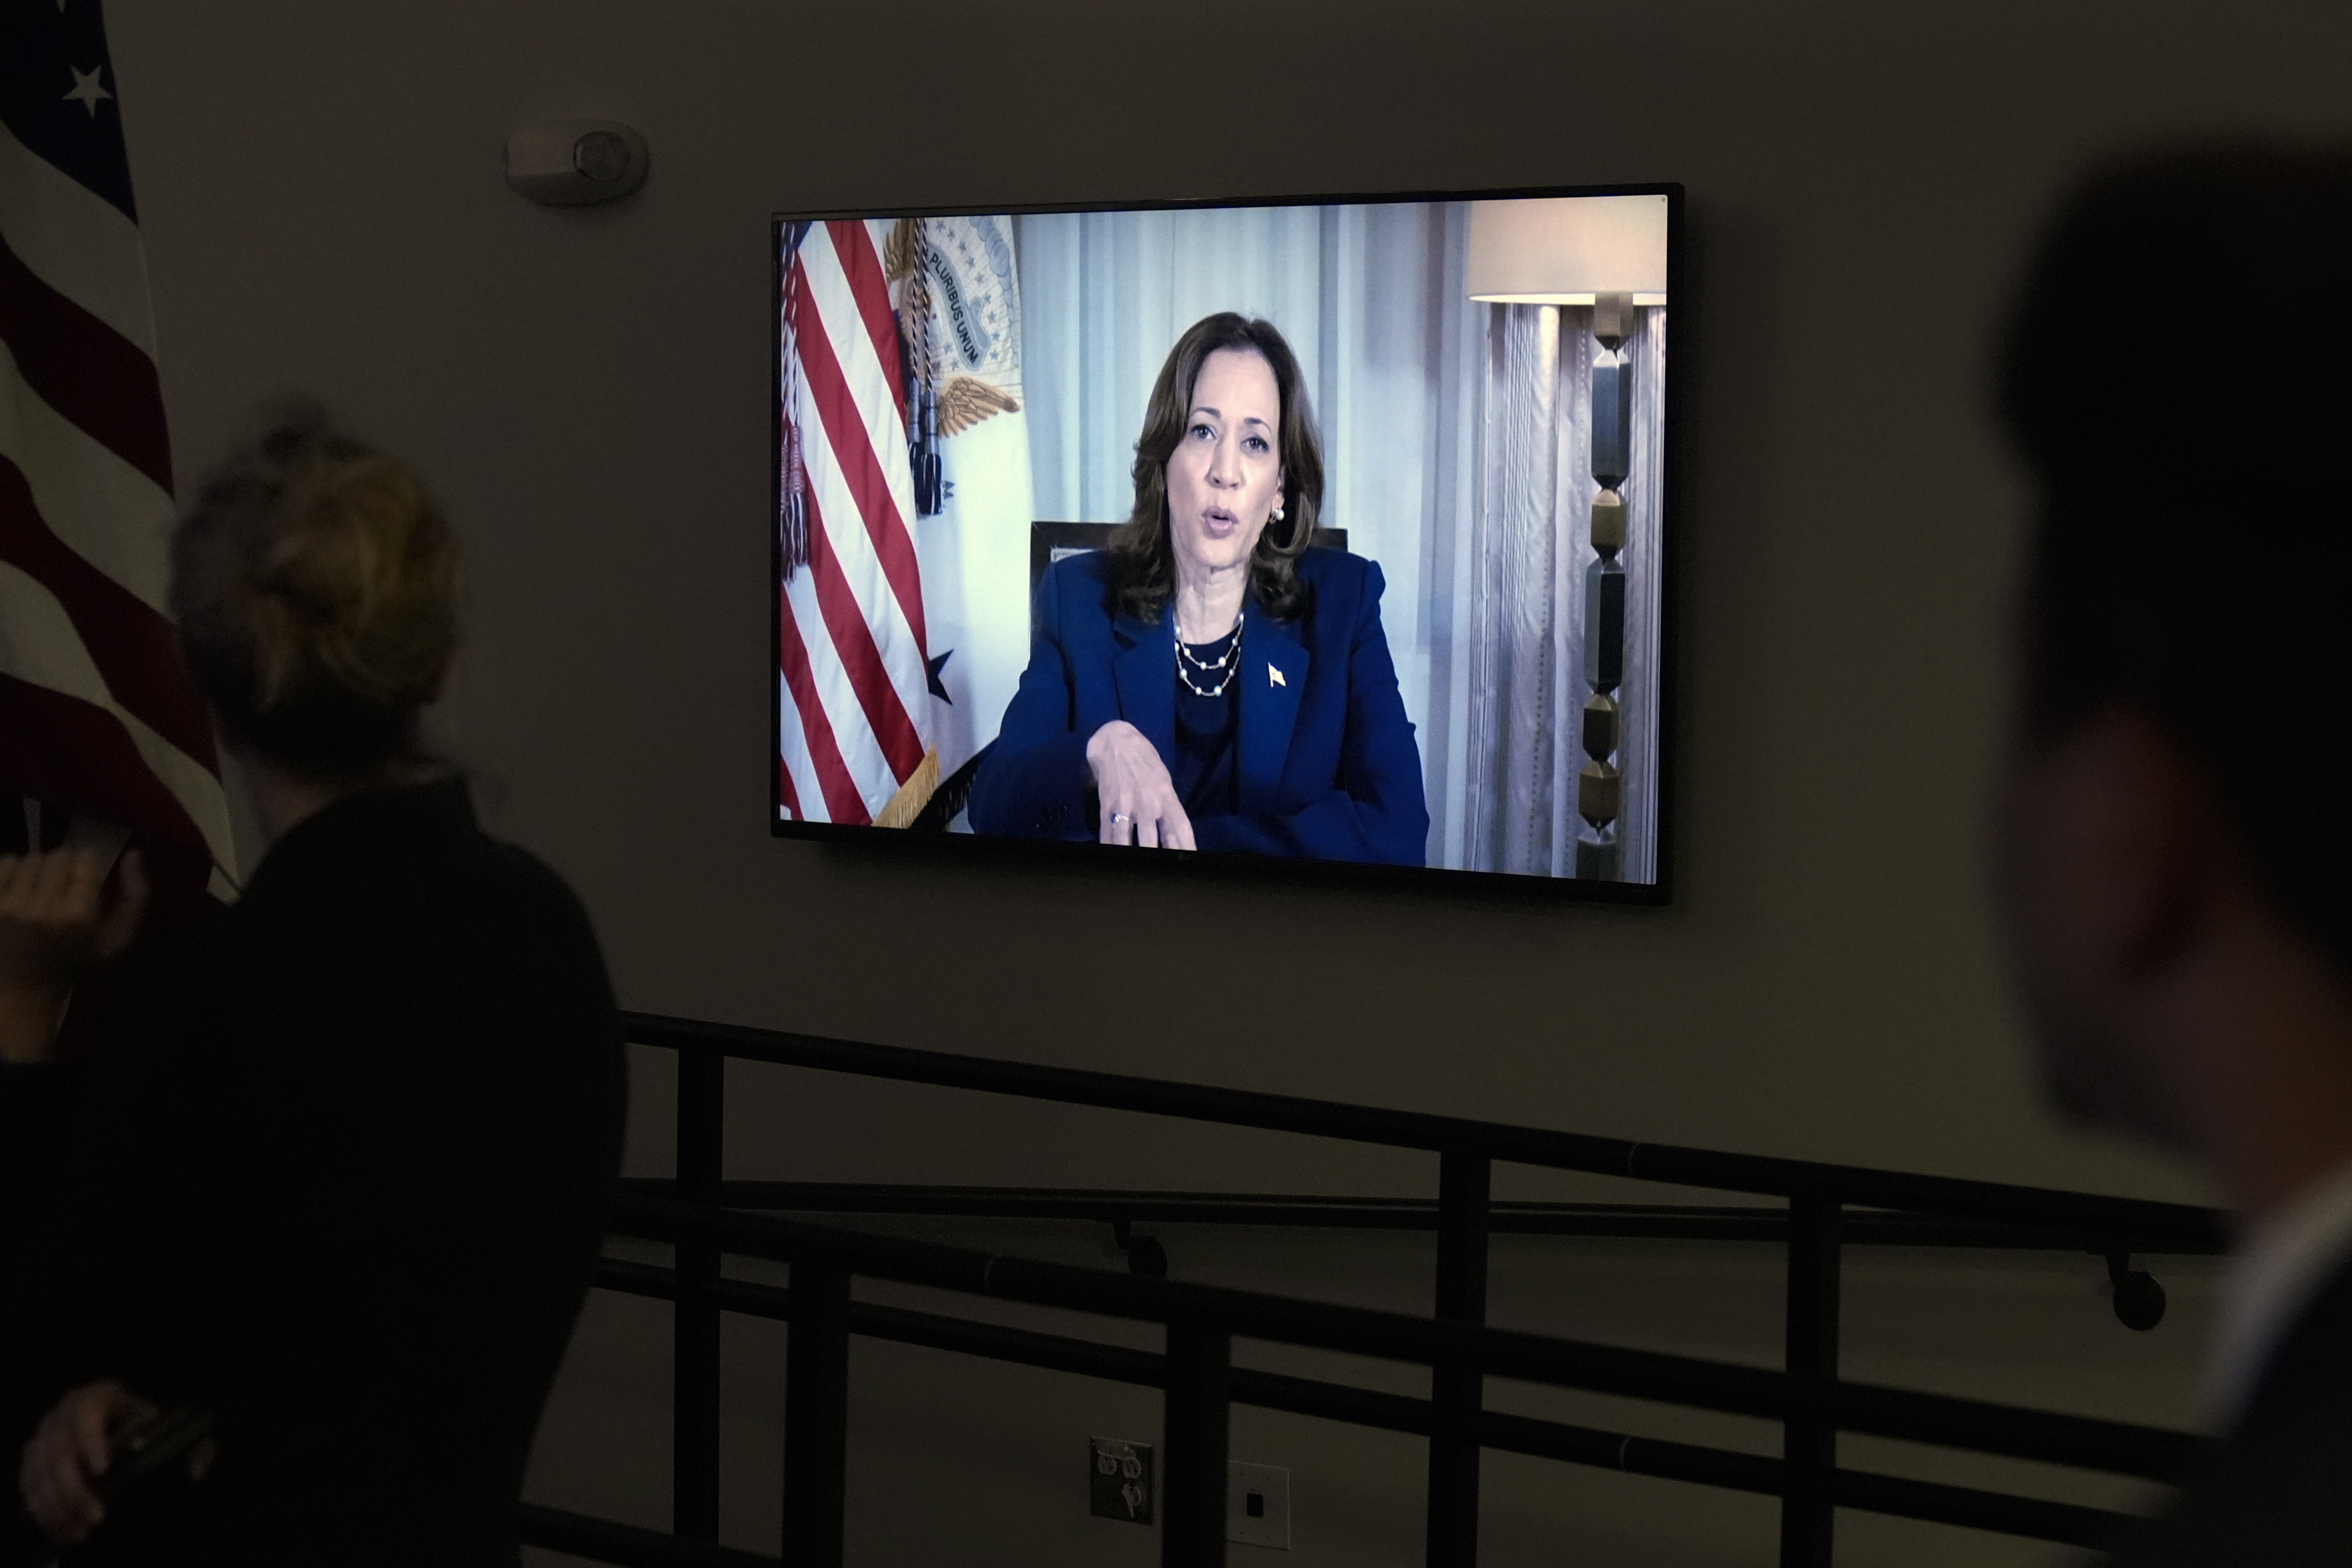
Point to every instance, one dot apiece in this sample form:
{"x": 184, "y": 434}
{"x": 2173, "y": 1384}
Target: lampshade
{"x": 1564, "y": 250}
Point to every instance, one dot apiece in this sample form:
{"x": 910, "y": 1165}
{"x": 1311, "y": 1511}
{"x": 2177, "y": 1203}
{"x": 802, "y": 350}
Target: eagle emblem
{"x": 966, "y": 400}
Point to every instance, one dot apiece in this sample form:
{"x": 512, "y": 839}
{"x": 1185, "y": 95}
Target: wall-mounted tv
{"x": 1327, "y": 532}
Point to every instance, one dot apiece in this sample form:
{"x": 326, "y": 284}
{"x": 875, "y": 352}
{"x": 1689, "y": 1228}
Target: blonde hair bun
{"x": 315, "y": 582}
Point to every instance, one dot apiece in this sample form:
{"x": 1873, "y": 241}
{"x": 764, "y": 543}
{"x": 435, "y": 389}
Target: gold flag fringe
{"x": 913, "y": 795}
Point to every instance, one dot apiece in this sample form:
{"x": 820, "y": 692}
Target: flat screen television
{"x": 1329, "y": 532}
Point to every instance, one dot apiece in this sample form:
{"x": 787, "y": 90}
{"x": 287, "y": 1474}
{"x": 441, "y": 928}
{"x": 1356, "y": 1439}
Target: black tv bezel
{"x": 1126, "y": 862}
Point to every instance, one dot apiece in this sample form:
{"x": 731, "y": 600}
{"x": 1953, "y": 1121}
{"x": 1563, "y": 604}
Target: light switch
{"x": 1257, "y": 1505}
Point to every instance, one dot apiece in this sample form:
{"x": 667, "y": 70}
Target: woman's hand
{"x": 1139, "y": 798}
{"x": 69, "y": 1451}
{"x": 56, "y": 926}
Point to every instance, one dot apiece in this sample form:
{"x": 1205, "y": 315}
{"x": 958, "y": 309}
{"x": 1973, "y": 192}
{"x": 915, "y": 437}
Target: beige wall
{"x": 589, "y": 390}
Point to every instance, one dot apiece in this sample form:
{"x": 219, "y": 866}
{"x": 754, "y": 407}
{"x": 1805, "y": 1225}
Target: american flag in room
{"x": 853, "y": 705}
{"x": 98, "y": 723}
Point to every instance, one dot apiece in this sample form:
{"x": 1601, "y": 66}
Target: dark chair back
{"x": 1050, "y": 541}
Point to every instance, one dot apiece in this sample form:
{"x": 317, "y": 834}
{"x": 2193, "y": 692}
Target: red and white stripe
{"x": 854, "y": 699}
{"x": 97, "y": 714}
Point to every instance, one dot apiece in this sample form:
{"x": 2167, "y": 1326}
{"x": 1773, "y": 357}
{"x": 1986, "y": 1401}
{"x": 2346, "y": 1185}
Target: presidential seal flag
{"x": 97, "y": 718}
{"x": 959, "y": 295}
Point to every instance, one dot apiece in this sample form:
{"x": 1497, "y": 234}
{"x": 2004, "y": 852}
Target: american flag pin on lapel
{"x": 1274, "y": 677}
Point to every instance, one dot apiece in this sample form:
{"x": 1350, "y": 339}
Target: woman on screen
{"x": 1210, "y": 681}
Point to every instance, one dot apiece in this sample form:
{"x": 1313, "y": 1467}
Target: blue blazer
{"x": 1326, "y": 762}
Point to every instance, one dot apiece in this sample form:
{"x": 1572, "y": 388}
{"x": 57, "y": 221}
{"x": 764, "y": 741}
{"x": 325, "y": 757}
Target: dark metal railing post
{"x": 817, "y": 1416}
{"x": 1809, "y": 1437}
{"x": 694, "y": 1392}
{"x": 1197, "y": 1370}
{"x": 1193, "y": 1431}
{"x": 1457, "y": 1385}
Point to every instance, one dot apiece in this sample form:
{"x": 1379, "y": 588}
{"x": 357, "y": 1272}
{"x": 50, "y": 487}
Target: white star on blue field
{"x": 86, "y": 89}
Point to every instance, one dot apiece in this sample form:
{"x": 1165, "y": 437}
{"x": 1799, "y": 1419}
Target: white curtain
{"x": 1532, "y": 548}
{"x": 1644, "y": 571}
{"x": 1425, "y": 435}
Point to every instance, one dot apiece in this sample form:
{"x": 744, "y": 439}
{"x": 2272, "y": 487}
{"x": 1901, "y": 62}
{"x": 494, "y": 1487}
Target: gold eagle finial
{"x": 899, "y": 250}
{"x": 967, "y": 400}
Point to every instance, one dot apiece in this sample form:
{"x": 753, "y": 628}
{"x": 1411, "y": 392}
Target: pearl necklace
{"x": 1229, "y": 661}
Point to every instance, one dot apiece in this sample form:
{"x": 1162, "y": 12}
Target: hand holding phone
{"x": 100, "y": 1449}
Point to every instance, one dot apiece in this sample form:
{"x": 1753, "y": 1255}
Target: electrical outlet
{"x": 1119, "y": 1479}
{"x": 1257, "y": 1505}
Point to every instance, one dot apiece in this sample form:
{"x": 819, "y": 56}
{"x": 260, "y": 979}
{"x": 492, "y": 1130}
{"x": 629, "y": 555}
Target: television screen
{"x": 1316, "y": 531}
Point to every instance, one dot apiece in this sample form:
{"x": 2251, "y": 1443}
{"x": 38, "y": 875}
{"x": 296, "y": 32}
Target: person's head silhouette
{"x": 2175, "y": 853}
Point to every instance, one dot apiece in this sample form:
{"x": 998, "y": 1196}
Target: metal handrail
{"x": 2168, "y": 1226}
{"x": 2088, "y": 1443}
{"x": 1807, "y": 1397}
{"x": 1653, "y": 1222}
{"x": 2067, "y": 1524}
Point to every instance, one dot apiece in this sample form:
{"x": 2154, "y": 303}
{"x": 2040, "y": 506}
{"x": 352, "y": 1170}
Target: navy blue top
{"x": 1202, "y": 767}
{"x": 1325, "y": 763}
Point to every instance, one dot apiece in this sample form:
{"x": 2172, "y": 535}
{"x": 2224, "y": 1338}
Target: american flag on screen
{"x": 97, "y": 718}
{"x": 855, "y": 701}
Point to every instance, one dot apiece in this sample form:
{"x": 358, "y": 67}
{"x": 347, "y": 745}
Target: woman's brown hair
{"x": 315, "y": 582}
{"x": 1142, "y": 558}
